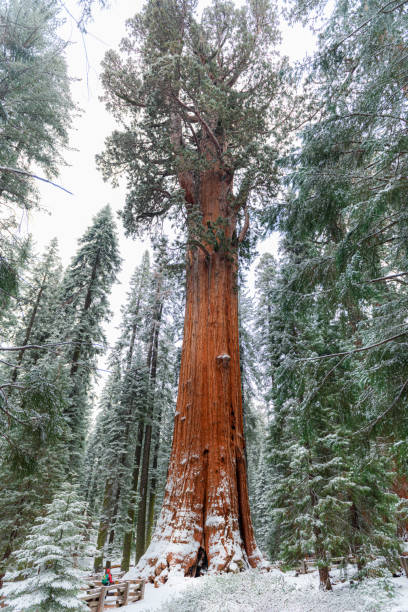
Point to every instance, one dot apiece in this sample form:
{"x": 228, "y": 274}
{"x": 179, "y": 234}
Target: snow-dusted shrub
{"x": 253, "y": 591}
{"x": 48, "y": 567}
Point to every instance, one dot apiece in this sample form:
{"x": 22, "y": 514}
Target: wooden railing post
{"x": 404, "y": 564}
{"x": 126, "y": 593}
{"x": 101, "y": 603}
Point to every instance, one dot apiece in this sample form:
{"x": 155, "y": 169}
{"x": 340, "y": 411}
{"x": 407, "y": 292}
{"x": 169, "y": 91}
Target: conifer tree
{"x": 198, "y": 103}
{"x": 330, "y": 493}
{"x": 132, "y": 432}
{"x": 39, "y": 323}
{"x": 35, "y": 114}
{"x": 125, "y": 407}
{"x": 20, "y": 374}
{"x": 31, "y": 450}
{"x": 85, "y": 290}
{"x": 48, "y": 572}
{"x": 350, "y": 170}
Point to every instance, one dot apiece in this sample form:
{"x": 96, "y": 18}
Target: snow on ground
{"x": 253, "y": 591}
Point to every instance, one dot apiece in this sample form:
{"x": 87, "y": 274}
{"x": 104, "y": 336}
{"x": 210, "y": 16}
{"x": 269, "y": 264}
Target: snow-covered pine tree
{"x": 21, "y": 374}
{"x": 165, "y": 397}
{"x": 350, "y": 170}
{"x": 48, "y": 567}
{"x": 123, "y": 407}
{"x": 118, "y": 427}
{"x": 323, "y": 483}
{"x": 39, "y": 317}
{"x": 85, "y": 290}
{"x": 253, "y": 412}
{"x": 32, "y": 439}
{"x": 151, "y": 413}
{"x": 123, "y": 417}
{"x": 344, "y": 289}
{"x": 35, "y": 114}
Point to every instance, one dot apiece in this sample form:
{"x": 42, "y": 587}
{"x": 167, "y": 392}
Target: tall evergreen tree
{"x": 35, "y": 390}
{"x": 350, "y": 170}
{"x": 85, "y": 289}
{"x": 35, "y": 114}
{"x": 126, "y": 405}
{"x": 331, "y": 493}
{"x": 197, "y": 108}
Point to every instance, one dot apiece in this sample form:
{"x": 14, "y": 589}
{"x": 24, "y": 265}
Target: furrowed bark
{"x": 205, "y": 520}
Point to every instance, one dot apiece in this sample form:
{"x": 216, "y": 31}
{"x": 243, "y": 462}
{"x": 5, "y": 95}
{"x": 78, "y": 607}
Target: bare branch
{"x": 384, "y": 278}
{"x": 12, "y": 365}
{"x": 358, "y": 350}
{"x": 10, "y": 384}
{"x": 31, "y": 175}
{"x": 370, "y": 426}
{"x": 33, "y": 346}
{"x": 198, "y": 244}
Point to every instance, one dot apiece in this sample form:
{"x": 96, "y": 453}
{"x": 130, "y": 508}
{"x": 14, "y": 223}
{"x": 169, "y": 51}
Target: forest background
{"x": 323, "y": 340}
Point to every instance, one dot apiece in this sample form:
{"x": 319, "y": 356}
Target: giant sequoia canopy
{"x": 201, "y": 102}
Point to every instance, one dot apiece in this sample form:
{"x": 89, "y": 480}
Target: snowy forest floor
{"x": 275, "y": 591}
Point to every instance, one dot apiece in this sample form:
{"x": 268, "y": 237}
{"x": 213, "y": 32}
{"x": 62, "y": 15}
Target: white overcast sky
{"x": 67, "y": 217}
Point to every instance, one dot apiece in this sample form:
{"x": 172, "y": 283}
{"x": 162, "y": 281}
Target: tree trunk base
{"x": 223, "y": 553}
{"x": 325, "y": 583}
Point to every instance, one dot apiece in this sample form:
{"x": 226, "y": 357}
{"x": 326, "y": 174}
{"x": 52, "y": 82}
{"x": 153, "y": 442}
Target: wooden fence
{"x": 306, "y": 564}
{"x": 101, "y": 598}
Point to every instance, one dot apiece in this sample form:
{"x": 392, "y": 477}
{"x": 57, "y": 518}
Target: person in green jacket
{"x": 107, "y": 577}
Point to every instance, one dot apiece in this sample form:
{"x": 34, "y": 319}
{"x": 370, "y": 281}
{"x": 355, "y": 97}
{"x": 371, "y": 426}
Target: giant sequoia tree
{"x": 197, "y": 100}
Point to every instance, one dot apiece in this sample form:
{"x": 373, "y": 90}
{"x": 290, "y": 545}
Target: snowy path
{"x": 273, "y": 592}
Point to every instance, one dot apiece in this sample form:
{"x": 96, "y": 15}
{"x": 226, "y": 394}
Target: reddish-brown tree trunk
{"x": 205, "y": 520}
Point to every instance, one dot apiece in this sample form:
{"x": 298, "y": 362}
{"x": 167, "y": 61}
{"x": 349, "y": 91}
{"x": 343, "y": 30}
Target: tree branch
{"x": 198, "y": 244}
{"x": 358, "y": 350}
{"x": 33, "y": 346}
{"x": 202, "y": 121}
{"x": 31, "y": 175}
{"x": 12, "y": 365}
{"x": 245, "y": 227}
{"x": 384, "y": 278}
{"x": 370, "y": 426}
{"x": 382, "y": 10}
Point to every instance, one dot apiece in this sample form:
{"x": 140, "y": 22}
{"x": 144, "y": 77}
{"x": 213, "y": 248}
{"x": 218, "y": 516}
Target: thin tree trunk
{"x": 123, "y": 458}
{"x": 128, "y": 366}
{"x": 324, "y": 577}
{"x": 153, "y": 482}
{"x": 205, "y": 519}
{"x": 75, "y": 417}
{"x": 103, "y": 525}
{"x": 114, "y": 518}
{"x": 127, "y": 540}
{"x": 144, "y": 475}
{"x": 29, "y": 329}
{"x": 144, "y": 478}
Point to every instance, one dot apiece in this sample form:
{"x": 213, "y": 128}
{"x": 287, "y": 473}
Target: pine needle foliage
{"x": 48, "y": 575}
